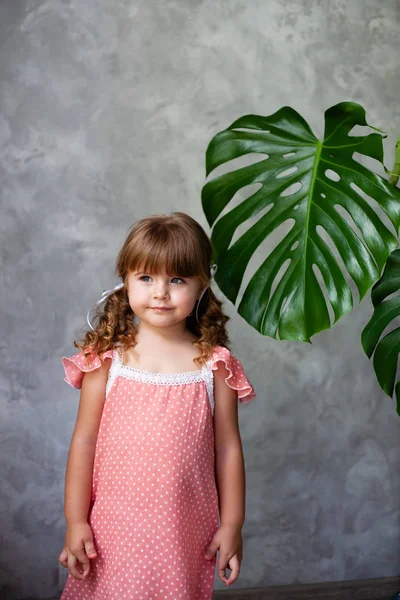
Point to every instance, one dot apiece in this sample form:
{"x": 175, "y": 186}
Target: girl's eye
{"x": 144, "y": 277}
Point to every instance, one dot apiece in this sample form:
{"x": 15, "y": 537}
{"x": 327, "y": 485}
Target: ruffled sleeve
{"x": 75, "y": 366}
{"x": 237, "y": 379}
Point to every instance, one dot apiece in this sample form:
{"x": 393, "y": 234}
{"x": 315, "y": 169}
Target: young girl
{"x": 155, "y": 480}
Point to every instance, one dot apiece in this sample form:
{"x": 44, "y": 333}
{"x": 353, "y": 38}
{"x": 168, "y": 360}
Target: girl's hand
{"x": 228, "y": 539}
{"x": 78, "y": 550}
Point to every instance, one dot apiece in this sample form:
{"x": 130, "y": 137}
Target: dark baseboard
{"x": 361, "y": 589}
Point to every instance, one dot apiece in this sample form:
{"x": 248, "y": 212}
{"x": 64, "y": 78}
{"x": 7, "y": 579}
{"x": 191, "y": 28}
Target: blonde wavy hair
{"x": 178, "y": 245}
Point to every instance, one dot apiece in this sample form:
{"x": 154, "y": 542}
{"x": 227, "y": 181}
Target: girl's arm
{"x": 229, "y": 462}
{"x": 79, "y": 544}
{"x": 78, "y": 477}
{"x": 230, "y": 479}
{"x": 231, "y": 386}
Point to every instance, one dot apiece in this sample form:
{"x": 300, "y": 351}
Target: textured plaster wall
{"x": 106, "y": 111}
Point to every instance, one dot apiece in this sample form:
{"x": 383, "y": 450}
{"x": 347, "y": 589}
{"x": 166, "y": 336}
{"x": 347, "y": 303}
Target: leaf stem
{"x": 395, "y": 174}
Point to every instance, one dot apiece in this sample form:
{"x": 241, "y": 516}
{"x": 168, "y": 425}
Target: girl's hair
{"x": 173, "y": 243}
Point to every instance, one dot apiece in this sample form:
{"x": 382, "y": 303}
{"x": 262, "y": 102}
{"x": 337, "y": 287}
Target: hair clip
{"x": 104, "y": 297}
{"x": 213, "y": 270}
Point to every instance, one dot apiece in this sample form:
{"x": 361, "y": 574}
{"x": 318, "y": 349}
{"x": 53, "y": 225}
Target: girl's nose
{"x": 161, "y": 291}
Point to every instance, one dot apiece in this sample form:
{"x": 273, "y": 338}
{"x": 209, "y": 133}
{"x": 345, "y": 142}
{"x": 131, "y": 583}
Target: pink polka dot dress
{"x": 154, "y": 505}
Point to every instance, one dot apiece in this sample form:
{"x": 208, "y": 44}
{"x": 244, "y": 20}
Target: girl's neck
{"x": 164, "y": 336}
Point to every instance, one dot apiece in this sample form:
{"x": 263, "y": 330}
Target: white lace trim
{"x": 204, "y": 374}
{"x": 161, "y": 378}
{"x": 113, "y": 372}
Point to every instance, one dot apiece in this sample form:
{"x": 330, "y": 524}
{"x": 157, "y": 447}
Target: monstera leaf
{"x": 301, "y": 180}
{"x": 386, "y": 351}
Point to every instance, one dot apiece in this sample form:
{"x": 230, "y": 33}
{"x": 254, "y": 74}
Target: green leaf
{"x": 386, "y": 350}
{"x": 296, "y": 309}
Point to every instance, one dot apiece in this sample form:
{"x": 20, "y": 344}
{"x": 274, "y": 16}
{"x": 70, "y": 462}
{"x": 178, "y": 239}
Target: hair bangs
{"x": 170, "y": 252}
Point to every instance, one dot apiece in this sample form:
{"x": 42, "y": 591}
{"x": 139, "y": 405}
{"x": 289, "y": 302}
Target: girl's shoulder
{"x": 76, "y": 365}
{"x": 236, "y": 378}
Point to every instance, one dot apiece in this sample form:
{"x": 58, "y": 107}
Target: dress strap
{"x": 208, "y": 377}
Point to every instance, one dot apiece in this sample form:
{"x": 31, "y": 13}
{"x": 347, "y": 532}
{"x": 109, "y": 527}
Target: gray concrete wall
{"x": 106, "y": 112}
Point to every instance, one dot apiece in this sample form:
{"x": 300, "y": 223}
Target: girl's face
{"x": 162, "y": 300}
